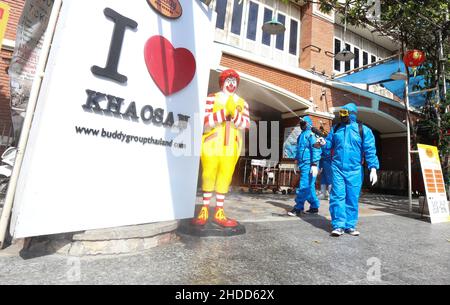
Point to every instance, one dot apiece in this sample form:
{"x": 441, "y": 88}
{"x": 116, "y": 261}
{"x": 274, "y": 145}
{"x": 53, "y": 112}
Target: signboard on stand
{"x": 434, "y": 183}
{"x": 291, "y": 135}
{"x": 116, "y": 133}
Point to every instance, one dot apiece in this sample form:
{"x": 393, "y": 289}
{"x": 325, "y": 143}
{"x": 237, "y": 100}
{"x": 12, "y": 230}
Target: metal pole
{"x": 408, "y": 139}
{"x": 442, "y": 63}
{"x": 4, "y": 220}
{"x": 444, "y": 88}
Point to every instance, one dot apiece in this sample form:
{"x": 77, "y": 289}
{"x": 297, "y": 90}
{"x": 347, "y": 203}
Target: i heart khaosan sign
{"x": 114, "y": 135}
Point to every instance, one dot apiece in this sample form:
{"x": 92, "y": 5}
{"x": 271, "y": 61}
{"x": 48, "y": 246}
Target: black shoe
{"x": 313, "y": 211}
{"x": 295, "y": 212}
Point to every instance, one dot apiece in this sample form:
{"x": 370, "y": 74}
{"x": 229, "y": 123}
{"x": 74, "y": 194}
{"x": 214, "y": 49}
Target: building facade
{"x": 293, "y": 74}
{"x": 286, "y": 75}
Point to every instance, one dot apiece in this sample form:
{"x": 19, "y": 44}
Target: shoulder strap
{"x": 336, "y": 127}
{"x": 361, "y": 134}
{"x": 361, "y": 131}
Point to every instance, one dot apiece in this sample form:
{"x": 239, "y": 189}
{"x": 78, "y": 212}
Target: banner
{"x": 4, "y": 17}
{"x": 434, "y": 183}
{"x": 29, "y": 37}
{"x": 291, "y": 135}
{"x": 116, "y": 133}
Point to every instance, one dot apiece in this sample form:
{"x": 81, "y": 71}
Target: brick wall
{"x": 282, "y": 79}
{"x": 316, "y": 43}
{"x": 291, "y": 122}
{"x": 397, "y": 113}
{"x": 5, "y": 117}
{"x": 323, "y": 96}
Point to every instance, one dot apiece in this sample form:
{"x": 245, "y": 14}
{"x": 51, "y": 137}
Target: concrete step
{"x": 120, "y": 240}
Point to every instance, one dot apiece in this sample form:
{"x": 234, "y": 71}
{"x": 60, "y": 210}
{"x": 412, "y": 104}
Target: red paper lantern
{"x": 413, "y": 58}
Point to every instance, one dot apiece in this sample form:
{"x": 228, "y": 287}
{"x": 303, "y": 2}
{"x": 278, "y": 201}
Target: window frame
{"x": 258, "y": 5}
{"x": 335, "y": 52}
{"x": 288, "y": 41}
{"x": 242, "y": 22}
{"x": 224, "y": 16}
{"x": 254, "y": 40}
{"x": 283, "y": 34}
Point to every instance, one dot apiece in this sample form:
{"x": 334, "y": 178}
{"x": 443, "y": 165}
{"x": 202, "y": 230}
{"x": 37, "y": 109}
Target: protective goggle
{"x": 343, "y": 113}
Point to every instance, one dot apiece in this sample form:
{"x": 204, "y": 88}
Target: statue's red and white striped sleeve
{"x": 242, "y": 121}
{"x": 212, "y": 118}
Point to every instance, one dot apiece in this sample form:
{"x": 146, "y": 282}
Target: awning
{"x": 381, "y": 75}
{"x": 257, "y": 90}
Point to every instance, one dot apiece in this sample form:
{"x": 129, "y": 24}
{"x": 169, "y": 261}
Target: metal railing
{"x": 260, "y": 174}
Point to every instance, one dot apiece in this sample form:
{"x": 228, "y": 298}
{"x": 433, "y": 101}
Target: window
{"x": 221, "y": 9}
{"x": 347, "y": 63}
{"x": 267, "y": 17}
{"x": 337, "y": 49}
{"x": 252, "y": 21}
{"x": 365, "y": 58}
{"x": 280, "y": 37}
{"x": 356, "y": 62}
{"x": 373, "y": 59}
{"x": 236, "y": 20}
{"x": 293, "y": 37}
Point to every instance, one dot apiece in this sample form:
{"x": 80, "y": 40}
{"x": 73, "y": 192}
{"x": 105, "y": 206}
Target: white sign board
{"x": 434, "y": 183}
{"x": 291, "y": 135}
{"x": 116, "y": 132}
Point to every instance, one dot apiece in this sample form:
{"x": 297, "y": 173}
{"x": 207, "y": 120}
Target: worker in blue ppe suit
{"x": 325, "y": 173}
{"x": 307, "y": 158}
{"x": 351, "y": 143}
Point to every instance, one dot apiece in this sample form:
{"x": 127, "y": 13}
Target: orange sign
{"x": 168, "y": 8}
{"x": 4, "y": 16}
{"x": 434, "y": 183}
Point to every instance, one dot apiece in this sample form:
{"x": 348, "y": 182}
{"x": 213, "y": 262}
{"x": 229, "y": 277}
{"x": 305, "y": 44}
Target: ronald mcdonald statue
{"x": 226, "y": 117}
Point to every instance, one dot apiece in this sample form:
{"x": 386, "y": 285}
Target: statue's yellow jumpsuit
{"x": 222, "y": 141}
{"x": 227, "y": 115}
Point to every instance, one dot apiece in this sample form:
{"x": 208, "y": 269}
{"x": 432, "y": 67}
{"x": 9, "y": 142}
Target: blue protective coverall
{"x": 347, "y": 171}
{"x": 307, "y": 155}
{"x": 325, "y": 165}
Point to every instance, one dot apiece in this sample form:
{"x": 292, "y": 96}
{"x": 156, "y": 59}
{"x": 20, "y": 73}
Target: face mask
{"x": 345, "y": 119}
{"x": 303, "y": 126}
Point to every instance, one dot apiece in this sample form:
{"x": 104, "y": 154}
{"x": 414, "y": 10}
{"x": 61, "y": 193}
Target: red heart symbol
{"x": 171, "y": 69}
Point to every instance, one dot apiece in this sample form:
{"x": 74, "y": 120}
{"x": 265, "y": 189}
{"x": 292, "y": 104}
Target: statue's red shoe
{"x": 202, "y": 217}
{"x": 222, "y": 220}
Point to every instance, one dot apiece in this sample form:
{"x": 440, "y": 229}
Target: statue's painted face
{"x": 230, "y": 85}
